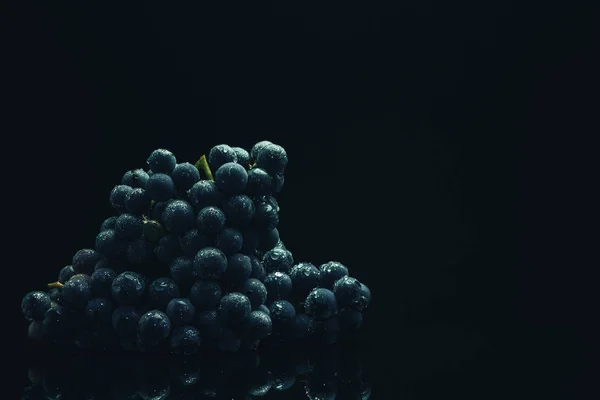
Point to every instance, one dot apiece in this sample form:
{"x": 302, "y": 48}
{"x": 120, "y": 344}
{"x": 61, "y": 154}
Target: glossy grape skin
{"x": 178, "y": 217}
{"x": 269, "y": 240}
{"x": 66, "y": 273}
{"x": 109, "y": 244}
{"x": 243, "y": 157}
{"x": 278, "y": 260}
{"x": 139, "y": 251}
{"x": 85, "y": 260}
{"x": 161, "y": 291}
{"x": 160, "y": 187}
{"x": 205, "y": 295}
{"x": 184, "y": 340}
{"x": 272, "y": 158}
{"x": 283, "y": 316}
{"x": 259, "y": 183}
{"x": 256, "y": 292}
{"x": 118, "y": 196}
{"x": 128, "y": 288}
{"x": 279, "y": 286}
{"x": 229, "y": 241}
{"x": 77, "y": 292}
{"x": 220, "y": 155}
{"x": 305, "y": 277}
{"x": 238, "y": 209}
{"x": 204, "y": 194}
{"x": 135, "y": 178}
{"x": 331, "y": 272}
{"x": 101, "y": 282}
{"x": 138, "y": 202}
{"x": 250, "y": 241}
{"x": 258, "y": 325}
{"x": 265, "y": 216}
{"x": 180, "y": 311}
{"x": 347, "y": 291}
{"x": 129, "y": 226}
{"x": 183, "y": 272}
{"x": 185, "y": 175}
{"x": 161, "y": 161}
{"x": 35, "y": 304}
{"x": 210, "y": 220}
{"x": 231, "y": 178}
{"x": 239, "y": 268}
{"x": 168, "y": 249}
{"x": 56, "y": 322}
{"x": 210, "y": 263}
{"x": 234, "y": 308}
{"x": 258, "y": 270}
{"x": 153, "y": 327}
{"x": 99, "y": 312}
{"x": 193, "y": 241}
{"x": 125, "y": 320}
{"x": 321, "y": 304}
{"x": 108, "y": 223}
{"x": 257, "y": 148}
{"x": 364, "y": 298}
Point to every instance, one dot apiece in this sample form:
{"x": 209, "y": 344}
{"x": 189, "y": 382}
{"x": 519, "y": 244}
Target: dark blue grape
{"x": 229, "y": 342}
{"x": 109, "y": 244}
{"x": 184, "y": 340}
{"x": 256, "y": 292}
{"x": 257, "y": 148}
{"x": 168, "y": 249}
{"x": 118, "y": 196}
{"x": 259, "y": 183}
{"x": 56, "y": 322}
{"x": 278, "y": 181}
{"x": 269, "y": 240}
{"x": 185, "y": 175}
{"x": 129, "y": 226}
{"x": 35, "y": 304}
{"x": 125, "y": 321}
{"x": 138, "y": 202}
{"x": 331, "y": 272}
{"x": 304, "y": 326}
{"x": 161, "y": 291}
{"x": 128, "y": 288}
{"x": 99, "y": 312}
{"x": 258, "y": 270}
{"x": 272, "y": 201}
{"x": 278, "y": 260}
{"x": 250, "y": 241}
{"x": 193, "y": 241}
{"x": 279, "y": 286}
{"x": 204, "y": 194}
{"x": 364, "y": 298}
{"x": 101, "y": 282}
{"x": 238, "y": 269}
{"x": 221, "y": 154}
{"x": 238, "y": 209}
{"x": 55, "y": 295}
{"x": 160, "y": 187}
{"x": 265, "y": 216}
{"x": 229, "y": 241}
{"x": 180, "y": 311}
{"x": 205, "y": 295}
{"x": 161, "y": 161}
{"x": 264, "y": 309}
{"x": 154, "y": 327}
{"x": 283, "y": 315}
{"x": 108, "y": 223}
{"x": 182, "y": 271}
{"x": 159, "y": 209}
{"x": 136, "y": 178}
{"x": 350, "y": 320}
{"x": 85, "y": 260}
{"x": 178, "y": 217}
{"x": 321, "y": 304}
{"x": 347, "y": 291}
{"x": 258, "y": 325}
{"x": 243, "y": 157}
{"x": 209, "y": 324}
{"x": 210, "y": 263}
{"x": 66, "y": 273}
{"x": 77, "y": 292}
{"x": 272, "y": 158}
{"x": 305, "y": 277}
{"x": 234, "y": 308}
{"x": 210, "y": 220}
{"x": 231, "y": 178}
{"x": 139, "y": 251}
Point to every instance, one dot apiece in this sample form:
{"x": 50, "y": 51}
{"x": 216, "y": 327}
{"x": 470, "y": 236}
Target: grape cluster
{"x": 287, "y": 372}
{"x": 194, "y": 260}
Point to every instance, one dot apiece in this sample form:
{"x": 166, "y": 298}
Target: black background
{"x": 442, "y": 150}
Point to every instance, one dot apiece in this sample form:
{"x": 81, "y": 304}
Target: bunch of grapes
{"x": 194, "y": 260}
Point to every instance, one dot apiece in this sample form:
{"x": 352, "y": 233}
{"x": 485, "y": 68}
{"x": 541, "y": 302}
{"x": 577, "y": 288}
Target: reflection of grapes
{"x": 195, "y": 261}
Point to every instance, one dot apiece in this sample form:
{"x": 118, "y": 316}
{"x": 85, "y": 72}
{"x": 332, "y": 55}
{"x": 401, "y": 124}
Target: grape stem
{"x": 55, "y": 285}
{"x": 203, "y": 166}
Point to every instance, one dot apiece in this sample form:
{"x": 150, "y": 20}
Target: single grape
{"x": 229, "y": 241}
{"x": 185, "y": 175}
{"x": 210, "y": 263}
{"x": 128, "y": 288}
{"x": 256, "y": 292}
{"x": 154, "y": 327}
{"x": 158, "y": 210}
{"x": 178, "y": 217}
{"x": 234, "y": 308}
{"x": 278, "y": 260}
{"x": 347, "y": 291}
{"x": 161, "y": 291}
{"x": 304, "y": 326}
{"x": 109, "y": 244}
{"x": 98, "y": 312}
{"x": 209, "y": 324}
{"x": 204, "y": 194}
{"x": 193, "y": 241}
{"x": 108, "y": 223}
{"x": 272, "y": 201}
{"x": 138, "y": 202}
{"x": 238, "y": 209}
{"x": 125, "y": 321}
{"x": 231, "y": 178}
{"x": 238, "y": 269}
{"x": 77, "y": 292}
{"x": 66, "y": 273}
{"x": 331, "y": 272}
{"x": 161, "y": 161}
{"x": 35, "y": 304}
{"x": 257, "y": 148}
{"x": 364, "y": 298}
{"x": 139, "y": 251}
{"x": 259, "y": 183}
{"x": 321, "y": 304}
{"x": 56, "y": 322}
{"x": 250, "y": 241}
{"x": 283, "y": 315}
{"x": 184, "y": 340}
{"x": 221, "y": 154}
{"x": 168, "y": 249}
{"x": 258, "y": 326}
{"x": 129, "y": 226}
{"x": 265, "y": 216}
{"x": 229, "y": 341}
{"x": 84, "y": 261}
{"x": 160, "y": 187}
{"x": 136, "y": 178}
{"x": 279, "y": 286}
{"x": 180, "y": 311}
{"x": 272, "y": 158}
{"x": 210, "y": 220}
{"x": 243, "y": 157}
{"x": 182, "y": 271}
{"x": 350, "y": 320}
{"x": 305, "y": 277}
{"x": 205, "y": 295}
{"x": 101, "y": 282}
{"x": 268, "y": 240}
{"x": 118, "y": 196}
{"x": 258, "y": 270}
